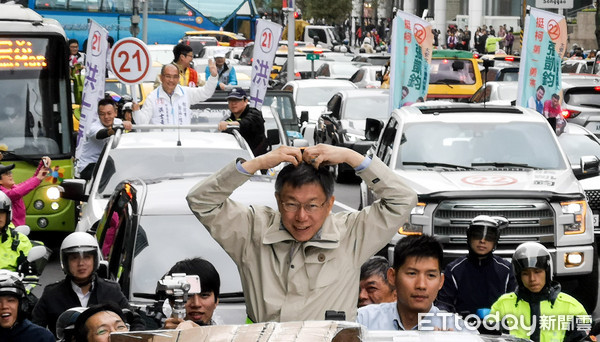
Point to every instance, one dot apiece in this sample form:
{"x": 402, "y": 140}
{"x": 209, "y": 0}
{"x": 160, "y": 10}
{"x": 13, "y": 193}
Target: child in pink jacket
{"x": 16, "y": 192}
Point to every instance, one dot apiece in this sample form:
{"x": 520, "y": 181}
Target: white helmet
{"x": 78, "y": 242}
{"x": 5, "y": 206}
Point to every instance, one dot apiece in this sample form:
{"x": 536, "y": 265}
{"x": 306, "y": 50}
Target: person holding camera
{"x": 14, "y": 325}
{"x": 97, "y": 136}
{"x": 249, "y": 120}
{"x": 79, "y": 259}
{"x": 302, "y": 260}
{"x": 200, "y": 306}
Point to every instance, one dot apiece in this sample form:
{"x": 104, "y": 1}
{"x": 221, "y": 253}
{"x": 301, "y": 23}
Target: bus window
{"x": 156, "y": 6}
{"x": 177, "y": 7}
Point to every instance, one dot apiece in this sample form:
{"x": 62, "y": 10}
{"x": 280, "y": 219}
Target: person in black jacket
{"x": 249, "y": 120}
{"x": 478, "y": 279}
{"x": 14, "y": 327}
{"x": 79, "y": 259}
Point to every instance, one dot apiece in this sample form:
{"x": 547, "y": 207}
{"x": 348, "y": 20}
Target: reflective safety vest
{"x": 554, "y": 321}
{"x": 14, "y": 248}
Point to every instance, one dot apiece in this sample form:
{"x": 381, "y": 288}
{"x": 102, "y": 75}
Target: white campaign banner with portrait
{"x": 265, "y": 46}
{"x": 95, "y": 77}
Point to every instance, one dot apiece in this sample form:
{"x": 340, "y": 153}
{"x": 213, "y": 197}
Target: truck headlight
{"x": 413, "y": 229}
{"x": 578, "y": 209}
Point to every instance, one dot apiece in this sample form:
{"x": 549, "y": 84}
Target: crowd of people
{"x": 484, "y": 40}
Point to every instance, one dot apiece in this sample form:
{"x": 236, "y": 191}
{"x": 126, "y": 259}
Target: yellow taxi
{"x": 454, "y": 75}
{"x": 224, "y": 38}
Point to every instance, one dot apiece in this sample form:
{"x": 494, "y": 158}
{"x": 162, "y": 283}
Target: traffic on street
{"x": 373, "y": 170}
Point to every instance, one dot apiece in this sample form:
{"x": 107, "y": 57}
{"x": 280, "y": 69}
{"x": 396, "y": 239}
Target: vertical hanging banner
{"x": 95, "y": 75}
{"x": 544, "y": 44}
{"x": 412, "y": 46}
{"x": 265, "y": 46}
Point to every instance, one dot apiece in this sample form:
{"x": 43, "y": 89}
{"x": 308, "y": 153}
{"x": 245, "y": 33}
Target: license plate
{"x": 596, "y": 219}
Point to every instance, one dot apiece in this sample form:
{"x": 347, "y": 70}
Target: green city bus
{"x": 35, "y": 85}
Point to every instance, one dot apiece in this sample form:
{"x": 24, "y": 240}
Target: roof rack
{"x": 464, "y": 109}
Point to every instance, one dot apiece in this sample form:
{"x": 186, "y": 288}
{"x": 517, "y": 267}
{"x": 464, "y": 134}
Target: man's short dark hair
{"x": 209, "y": 277}
{"x": 420, "y": 246}
{"x": 297, "y": 176}
{"x": 107, "y": 101}
{"x": 542, "y": 88}
{"x": 376, "y": 265}
{"x": 81, "y": 331}
{"x": 556, "y": 96}
{"x": 72, "y": 41}
{"x": 181, "y": 49}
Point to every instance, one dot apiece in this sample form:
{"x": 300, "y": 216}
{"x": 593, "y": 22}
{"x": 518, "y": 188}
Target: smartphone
{"x": 194, "y": 282}
{"x": 45, "y": 161}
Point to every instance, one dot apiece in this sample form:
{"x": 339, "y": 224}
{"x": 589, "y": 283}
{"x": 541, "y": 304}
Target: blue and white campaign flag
{"x": 95, "y": 74}
{"x": 265, "y": 46}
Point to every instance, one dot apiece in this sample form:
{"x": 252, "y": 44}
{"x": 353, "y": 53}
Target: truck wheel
{"x": 584, "y": 287}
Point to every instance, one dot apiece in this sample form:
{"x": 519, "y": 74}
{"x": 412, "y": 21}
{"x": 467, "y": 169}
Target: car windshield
{"x": 157, "y": 249}
{"x": 579, "y": 145}
{"x": 486, "y": 144}
{"x": 165, "y": 162}
{"x": 162, "y": 56}
{"x": 360, "y": 108}
{"x": 318, "y": 96}
{"x": 449, "y": 71}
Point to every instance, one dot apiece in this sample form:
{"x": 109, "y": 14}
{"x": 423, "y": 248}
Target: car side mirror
{"x": 590, "y": 165}
{"x": 73, "y": 189}
{"x": 103, "y": 269}
{"x": 273, "y": 137}
{"x": 373, "y": 128}
{"x": 303, "y": 116}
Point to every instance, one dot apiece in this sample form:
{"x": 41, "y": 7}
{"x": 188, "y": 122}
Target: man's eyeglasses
{"x": 292, "y": 207}
{"x": 120, "y": 327}
{"x": 190, "y": 55}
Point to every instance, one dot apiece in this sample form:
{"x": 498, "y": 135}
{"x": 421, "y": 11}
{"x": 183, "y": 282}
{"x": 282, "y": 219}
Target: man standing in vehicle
{"x": 300, "y": 261}
{"x": 183, "y": 55}
{"x": 226, "y": 74}
{"x": 417, "y": 276}
{"x": 97, "y": 136}
{"x": 170, "y": 103}
{"x": 14, "y": 326}
{"x": 374, "y": 285}
{"x": 249, "y": 120}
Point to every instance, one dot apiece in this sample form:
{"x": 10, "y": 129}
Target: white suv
{"x": 464, "y": 160}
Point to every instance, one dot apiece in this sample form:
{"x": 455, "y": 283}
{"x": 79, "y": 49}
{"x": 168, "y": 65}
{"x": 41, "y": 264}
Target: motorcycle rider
{"x": 14, "y": 326}
{"x": 477, "y": 280}
{"x": 79, "y": 259}
{"x": 14, "y": 246}
{"x": 546, "y": 314}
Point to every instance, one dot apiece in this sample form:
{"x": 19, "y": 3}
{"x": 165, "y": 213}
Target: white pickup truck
{"x": 465, "y": 160}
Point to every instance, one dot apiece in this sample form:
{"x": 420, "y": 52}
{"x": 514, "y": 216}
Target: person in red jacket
{"x": 16, "y": 192}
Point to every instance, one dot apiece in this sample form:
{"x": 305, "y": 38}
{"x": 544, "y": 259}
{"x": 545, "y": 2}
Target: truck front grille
{"x": 531, "y": 220}
{"x": 593, "y": 199}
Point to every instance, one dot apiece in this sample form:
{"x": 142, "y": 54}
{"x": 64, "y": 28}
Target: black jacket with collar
{"x": 59, "y": 297}
{"x": 26, "y": 332}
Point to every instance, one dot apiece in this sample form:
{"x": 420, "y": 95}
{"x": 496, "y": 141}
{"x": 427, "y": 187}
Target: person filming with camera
{"x": 200, "y": 306}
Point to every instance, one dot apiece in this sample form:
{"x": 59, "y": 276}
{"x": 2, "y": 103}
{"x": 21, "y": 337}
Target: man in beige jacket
{"x": 301, "y": 260}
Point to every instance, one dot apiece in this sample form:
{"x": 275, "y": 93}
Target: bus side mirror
{"x": 73, "y": 189}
